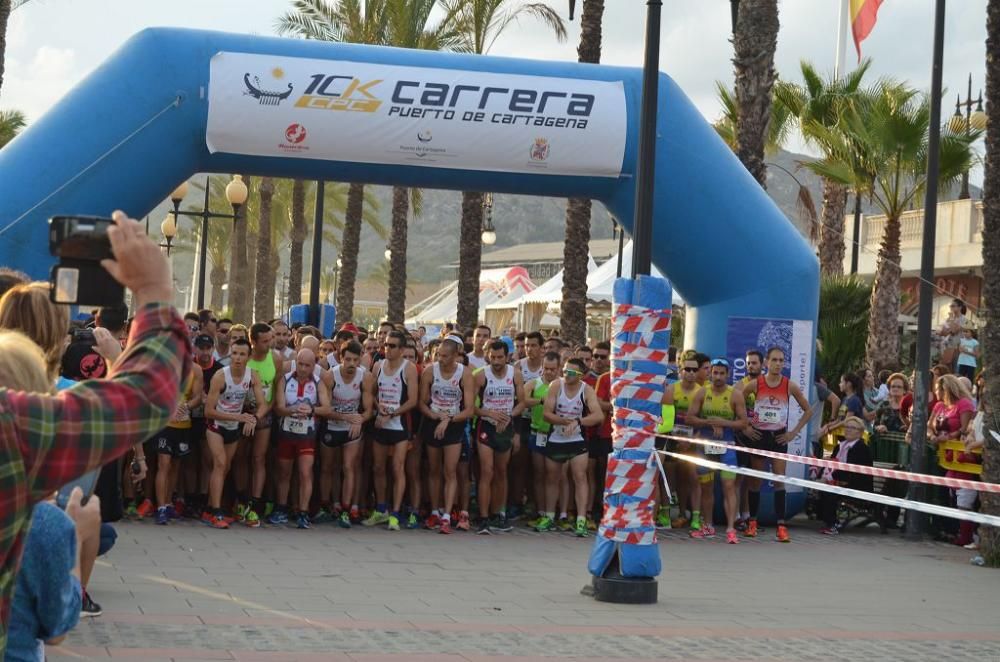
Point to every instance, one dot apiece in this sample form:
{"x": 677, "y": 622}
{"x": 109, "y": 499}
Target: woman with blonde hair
{"x": 950, "y": 420}
{"x": 26, "y": 308}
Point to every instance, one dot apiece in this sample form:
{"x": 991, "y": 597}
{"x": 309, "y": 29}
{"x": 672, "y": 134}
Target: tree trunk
{"x": 882, "y": 347}
{"x": 470, "y": 259}
{"x": 576, "y": 257}
{"x": 831, "y": 238}
{"x": 4, "y": 16}
{"x": 397, "y": 244}
{"x": 350, "y": 244}
{"x": 990, "y": 536}
{"x": 217, "y": 276}
{"x": 754, "y": 42}
{"x": 264, "y": 294}
{"x": 239, "y": 297}
{"x": 298, "y": 239}
{"x": 576, "y": 250}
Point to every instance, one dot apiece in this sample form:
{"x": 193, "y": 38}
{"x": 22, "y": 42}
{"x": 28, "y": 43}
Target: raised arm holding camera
{"x": 48, "y": 440}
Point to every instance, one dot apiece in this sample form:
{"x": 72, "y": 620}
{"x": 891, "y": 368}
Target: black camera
{"x": 80, "y": 243}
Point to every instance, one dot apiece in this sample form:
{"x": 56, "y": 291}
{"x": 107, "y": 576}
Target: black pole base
{"x": 626, "y": 590}
{"x": 613, "y": 587}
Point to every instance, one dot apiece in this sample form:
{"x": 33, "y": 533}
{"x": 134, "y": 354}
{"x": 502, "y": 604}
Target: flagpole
{"x": 840, "y": 63}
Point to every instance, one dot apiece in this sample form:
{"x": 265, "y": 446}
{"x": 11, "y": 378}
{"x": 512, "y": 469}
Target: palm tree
{"x": 298, "y": 239}
{"x": 11, "y": 123}
{"x": 5, "y": 10}
{"x": 843, "y": 323}
{"x": 882, "y": 152}
{"x": 357, "y": 22}
{"x": 481, "y": 22}
{"x": 755, "y": 39}
{"x": 990, "y": 536}
{"x": 264, "y": 294}
{"x": 823, "y": 102}
{"x": 576, "y": 249}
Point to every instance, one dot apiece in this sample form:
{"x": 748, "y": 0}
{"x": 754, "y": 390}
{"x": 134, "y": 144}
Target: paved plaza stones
{"x": 187, "y": 592}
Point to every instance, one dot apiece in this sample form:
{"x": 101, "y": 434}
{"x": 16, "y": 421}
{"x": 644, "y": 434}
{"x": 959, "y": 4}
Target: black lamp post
{"x": 972, "y": 120}
{"x": 236, "y": 194}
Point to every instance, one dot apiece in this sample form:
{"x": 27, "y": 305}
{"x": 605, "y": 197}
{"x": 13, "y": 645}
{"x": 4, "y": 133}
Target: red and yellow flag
{"x": 863, "y": 15}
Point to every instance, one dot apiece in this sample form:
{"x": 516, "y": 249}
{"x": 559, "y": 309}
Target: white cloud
{"x": 34, "y": 88}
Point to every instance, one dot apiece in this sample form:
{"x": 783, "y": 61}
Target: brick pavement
{"x": 187, "y": 592}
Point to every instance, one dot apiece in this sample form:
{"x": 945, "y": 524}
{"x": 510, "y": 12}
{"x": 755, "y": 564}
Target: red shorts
{"x": 291, "y": 448}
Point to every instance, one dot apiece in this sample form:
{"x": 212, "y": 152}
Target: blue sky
{"x": 53, "y": 44}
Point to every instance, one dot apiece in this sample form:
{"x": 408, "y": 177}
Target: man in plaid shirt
{"x": 49, "y": 440}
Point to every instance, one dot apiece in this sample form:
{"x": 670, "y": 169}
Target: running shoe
{"x": 501, "y": 523}
{"x": 581, "y": 528}
{"x": 412, "y": 522}
{"x": 731, "y": 537}
{"x": 393, "y": 523}
{"x": 591, "y": 524}
{"x": 277, "y": 518}
{"x": 162, "y": 517}
{"x": 376, "y": 518}
{"x": 698, "y": 534}
{"x": 751, "y": 531}
{"x": 544, "y": 525}
{"x": 179, "y": 506}
{"x": 463, "y": 522}
{"x": 782, "y": 534}
{"x": 322, "y": 515}
{"x": 663, "y": 520}
{"x": 532, "y": 523}
{"x": 206, "y": 517}
{"x": 708, "y": 530}
{"x": 252, "y": 519}
{"x": 741, "y": 525}
{"x": 302, "y": 521}
{"x": 218, "y": 522}
{"x": 89, "y": 608}
{"x": 515, "y": 513}
{"x": 432, "y": 522}
{"x": 679, "y": 522}
{"x": 268, "y": 508}
{"x": 345, "y": 520}
{"x": 145, "y": 509}
{"x": 172, "y": 511}
{"x": 829, "y": 531}
{"x": 564, "y": 524}
{"x": 445, "y": 527}
{"x": 240, "y": 512}
{"x": 696, "y": 521}
{"x": 355, "y": 516}
{"x": 484, "y": 527}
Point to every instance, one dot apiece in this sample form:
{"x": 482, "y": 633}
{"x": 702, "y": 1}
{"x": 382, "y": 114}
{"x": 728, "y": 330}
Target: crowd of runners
{"x": 470, "y": 431}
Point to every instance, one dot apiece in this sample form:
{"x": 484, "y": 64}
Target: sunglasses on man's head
{"x": 720, "y": 362}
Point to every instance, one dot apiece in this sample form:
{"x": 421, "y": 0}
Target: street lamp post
{"x": 236, "y": 194}
{"x": 972, "y": 120}
{"x": 169, "y": 229}
{"x": 336, "y": 275}
{"x": 489, "y": 235}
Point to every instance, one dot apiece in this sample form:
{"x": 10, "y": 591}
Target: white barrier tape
{"x": 929, "y": 508}
{"x": 941, "y": 481}
{"x": 663, "y": 474}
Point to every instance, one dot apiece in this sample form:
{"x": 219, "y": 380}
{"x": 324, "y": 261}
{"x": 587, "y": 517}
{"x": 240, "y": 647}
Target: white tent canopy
{"x": 601, "y": 283}
{"x": 495, "y": 285}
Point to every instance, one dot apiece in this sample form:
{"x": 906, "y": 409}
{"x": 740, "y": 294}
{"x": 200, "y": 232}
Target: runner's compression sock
{"x": 779, "y": 505}
{"x": 754, "y": 503}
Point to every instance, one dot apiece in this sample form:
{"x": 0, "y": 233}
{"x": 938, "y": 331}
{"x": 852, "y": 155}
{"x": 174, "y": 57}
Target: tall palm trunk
{"x": 239, "y": 298}
{"x": 217, "y": 276}
{"x": 831, "y": 237}
{"x": 350, "y": 244}
{"x": 470, "y": 259}
{"x": 754, "y": 42}
{"x": 573, "y": 314}
{"x": 298, "y": 239}
{"x": 264, "y": 295}
{"x": 4, "y": 17}
{"x": 882, "y": 347}
{"x": 990, "y": 536}
{"x": 397, "y": 264}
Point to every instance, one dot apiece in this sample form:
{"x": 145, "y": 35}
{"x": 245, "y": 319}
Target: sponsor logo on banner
{"x": 295, "y": 135}
{"x": 387, "y": 114}
{"x": 795, "y": 338}
{"x": 266, "y": 97}
{"x": 540, "y": 149}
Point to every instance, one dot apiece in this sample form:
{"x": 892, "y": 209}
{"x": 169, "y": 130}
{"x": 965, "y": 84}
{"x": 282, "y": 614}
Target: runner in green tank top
{"x": 265, "y": 362}
{"x": 535, "y": 391}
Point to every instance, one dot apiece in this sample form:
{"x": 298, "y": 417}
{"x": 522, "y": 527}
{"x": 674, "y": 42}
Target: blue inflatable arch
{"x": 136, "y": 127}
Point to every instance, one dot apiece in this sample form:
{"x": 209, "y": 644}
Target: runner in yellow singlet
{"x": 679, "y": 396}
